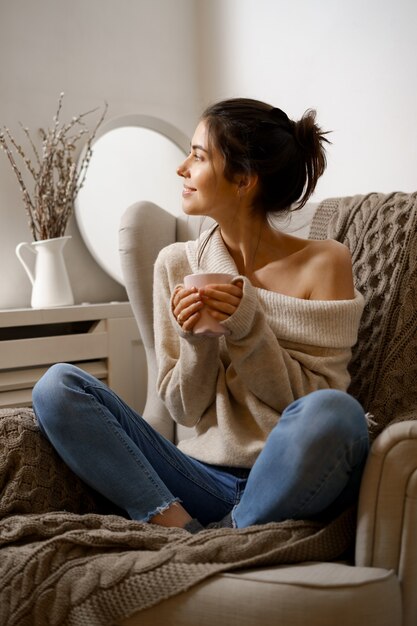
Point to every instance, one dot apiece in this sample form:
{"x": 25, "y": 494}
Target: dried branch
{"x": 32, "y": 145}
{"x": 56, "y": 177}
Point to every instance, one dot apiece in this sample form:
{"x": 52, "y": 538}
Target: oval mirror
{"x": 134, "y": 158}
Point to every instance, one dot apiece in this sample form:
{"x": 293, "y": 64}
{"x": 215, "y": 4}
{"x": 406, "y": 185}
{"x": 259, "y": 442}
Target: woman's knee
{"x": 339, "y": 413}
{"x": 329, "y": 413}
{"x": 49, "y": 393}
{"x": 53, "y": 380}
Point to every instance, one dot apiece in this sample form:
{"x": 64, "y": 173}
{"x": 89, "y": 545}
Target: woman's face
{"x": 206, "y": 191}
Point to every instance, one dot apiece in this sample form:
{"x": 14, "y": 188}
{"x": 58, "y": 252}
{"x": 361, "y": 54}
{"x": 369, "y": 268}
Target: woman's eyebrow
{"x": 198, "y": 147}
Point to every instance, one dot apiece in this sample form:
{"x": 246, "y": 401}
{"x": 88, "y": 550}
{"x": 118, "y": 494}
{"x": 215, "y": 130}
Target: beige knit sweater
{"x": 233, "y": 389}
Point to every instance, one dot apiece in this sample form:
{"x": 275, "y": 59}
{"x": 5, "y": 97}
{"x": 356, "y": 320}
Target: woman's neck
{"x": 250, "y": 242}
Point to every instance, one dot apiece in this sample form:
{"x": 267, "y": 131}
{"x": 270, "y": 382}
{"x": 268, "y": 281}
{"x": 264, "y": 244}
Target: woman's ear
{"x": 247, "y": 183}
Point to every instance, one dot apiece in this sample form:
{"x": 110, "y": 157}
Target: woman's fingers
{"x": 186, "y": 304}
{"x": 222, "y": 300}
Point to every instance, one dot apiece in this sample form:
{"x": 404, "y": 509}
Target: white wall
{"x": 353, "y": 60}
{"x": 139, "y": 55}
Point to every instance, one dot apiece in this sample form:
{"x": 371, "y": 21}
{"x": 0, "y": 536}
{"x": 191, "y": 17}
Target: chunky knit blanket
{"x": 381, "y": 232}
{"x": 64, "y": 561}
{"x": 68, "y": 558}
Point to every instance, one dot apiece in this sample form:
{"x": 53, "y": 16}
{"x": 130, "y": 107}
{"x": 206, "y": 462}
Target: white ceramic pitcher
{"x": 50, "y": 282}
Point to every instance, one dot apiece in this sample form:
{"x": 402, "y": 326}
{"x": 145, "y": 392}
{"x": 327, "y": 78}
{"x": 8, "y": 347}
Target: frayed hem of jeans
{"x": 369, "y": 420}
{"x": 232, "y": 517}
{"x": 160, "y": 510}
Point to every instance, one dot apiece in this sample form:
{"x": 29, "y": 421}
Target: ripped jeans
{"x": 312, "y": 461}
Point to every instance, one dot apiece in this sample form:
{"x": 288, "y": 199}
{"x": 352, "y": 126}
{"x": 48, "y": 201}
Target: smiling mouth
{"x": 187, "y": 190}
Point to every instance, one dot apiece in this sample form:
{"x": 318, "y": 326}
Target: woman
{"x": 276, "y": 436}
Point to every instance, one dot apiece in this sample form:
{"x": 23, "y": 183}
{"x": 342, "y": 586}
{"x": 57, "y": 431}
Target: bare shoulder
{"x": 330, "y": 269}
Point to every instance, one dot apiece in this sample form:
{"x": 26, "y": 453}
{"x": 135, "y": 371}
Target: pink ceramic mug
{"x": 207, "y": 325}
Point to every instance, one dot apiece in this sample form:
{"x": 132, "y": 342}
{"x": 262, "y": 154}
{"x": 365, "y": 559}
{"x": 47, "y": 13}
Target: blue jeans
{"x": 311, "y": 463}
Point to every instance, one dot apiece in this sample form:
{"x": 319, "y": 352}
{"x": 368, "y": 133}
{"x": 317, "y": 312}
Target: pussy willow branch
{"x": 26, "y": 197}
{"x": 32, "y": 145}
{"x": 56, "y": 177}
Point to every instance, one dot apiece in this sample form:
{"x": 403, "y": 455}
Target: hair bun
{"x": 307, "y": 134}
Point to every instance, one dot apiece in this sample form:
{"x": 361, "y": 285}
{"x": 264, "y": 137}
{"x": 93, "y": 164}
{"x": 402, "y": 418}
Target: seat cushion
{"x": 313, "y": 594}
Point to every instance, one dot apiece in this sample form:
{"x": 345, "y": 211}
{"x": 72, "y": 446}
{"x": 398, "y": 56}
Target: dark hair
{"x": 255, "y": 137}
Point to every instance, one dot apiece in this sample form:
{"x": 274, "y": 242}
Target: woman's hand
{"x": 186, "y": 306}
{"x": 221, "y": 301}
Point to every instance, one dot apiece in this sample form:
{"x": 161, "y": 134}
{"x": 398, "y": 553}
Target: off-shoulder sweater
{"x": 233, "y": 389}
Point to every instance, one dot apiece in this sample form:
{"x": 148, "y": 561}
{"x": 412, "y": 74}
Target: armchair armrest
{"x": 387, "y": 514}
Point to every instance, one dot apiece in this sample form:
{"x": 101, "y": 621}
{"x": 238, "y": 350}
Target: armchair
{"x": 379, "y": 585}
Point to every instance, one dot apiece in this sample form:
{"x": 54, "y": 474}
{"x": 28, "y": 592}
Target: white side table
{"x": 102, "y": 339}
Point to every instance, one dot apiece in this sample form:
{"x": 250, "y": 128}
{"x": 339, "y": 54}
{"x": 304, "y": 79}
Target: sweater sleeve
{"x": 279, "y": 349}
{"x": 276, "y": 368}
{"x": 188, "y": 365}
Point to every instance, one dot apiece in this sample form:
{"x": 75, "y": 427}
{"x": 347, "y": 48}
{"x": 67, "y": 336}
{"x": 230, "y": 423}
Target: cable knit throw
{"x": 63, "y": 563}
{"x": 381, "y": 233}
{"x": 68, "y": 558}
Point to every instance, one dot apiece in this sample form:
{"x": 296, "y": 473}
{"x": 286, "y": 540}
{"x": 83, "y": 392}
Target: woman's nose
{"x": 182, "y": 169}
